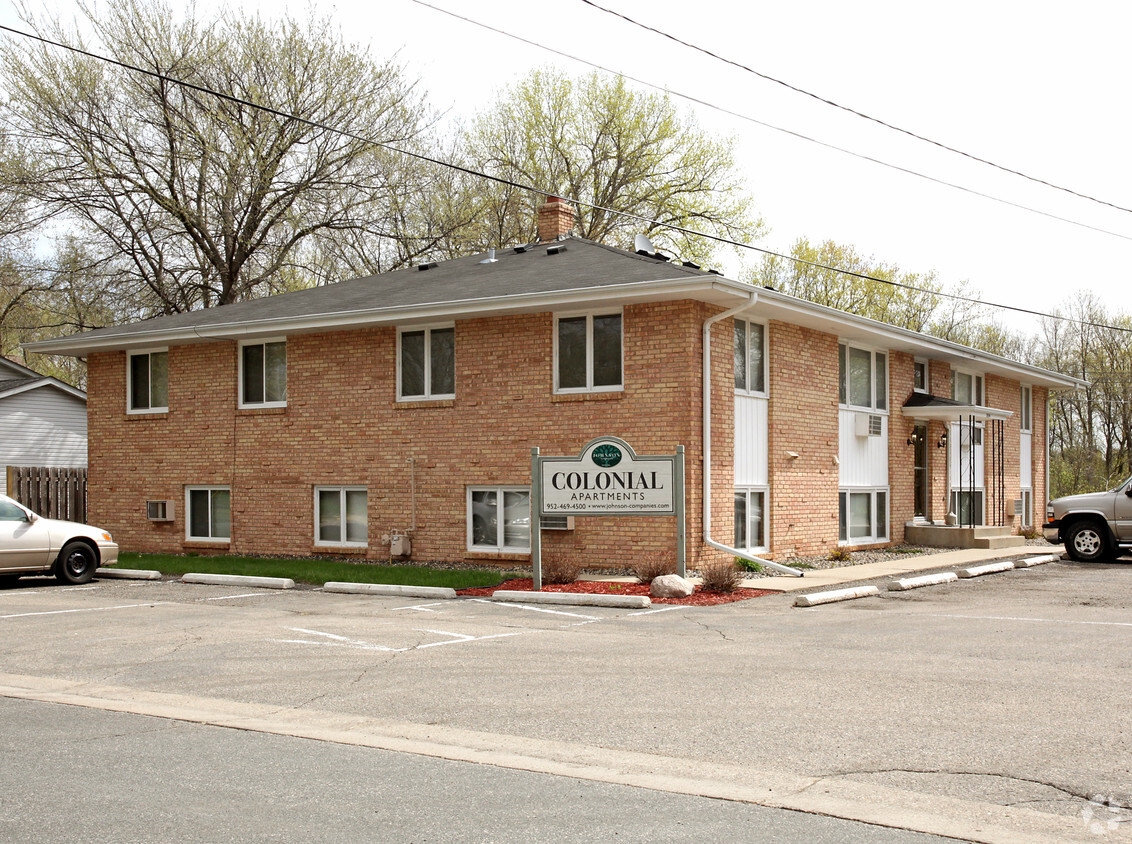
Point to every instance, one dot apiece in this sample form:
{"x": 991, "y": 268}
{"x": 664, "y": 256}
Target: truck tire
{"x": 1087, "y": 541}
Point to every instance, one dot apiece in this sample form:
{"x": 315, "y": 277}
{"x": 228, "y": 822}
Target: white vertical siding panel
{"x": 41, "y": 427}
{"x": 1025, "y": 458}
{"x": 960, "y": 476}
{"x": 751, "y": 450}
{"x": 863, "y": 460}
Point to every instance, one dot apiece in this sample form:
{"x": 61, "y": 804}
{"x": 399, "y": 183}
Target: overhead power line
{"x": 531, "y": 188}
{"x": 850, "y": 110}
{"x": 771, "y": 126}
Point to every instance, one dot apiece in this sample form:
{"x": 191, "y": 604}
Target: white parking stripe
{"x": 536, "y": 609}
{"x": 1022, "y": 618}
{"x": 245, "y": 595}
{"x": 87, "y": 609}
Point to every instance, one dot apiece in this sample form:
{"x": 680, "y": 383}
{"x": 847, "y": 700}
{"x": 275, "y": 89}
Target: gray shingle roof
{"x": 544, "y": 268}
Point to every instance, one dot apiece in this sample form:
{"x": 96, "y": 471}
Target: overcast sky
{"x": 1037, "y": 87}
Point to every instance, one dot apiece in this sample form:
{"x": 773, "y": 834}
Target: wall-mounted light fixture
{"x": 942, "y": 441}
{"x": 915, "y": 438}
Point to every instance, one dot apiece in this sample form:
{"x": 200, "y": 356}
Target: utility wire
{"x": 850, "y": 110}
{"x": 771, "y": 126}
{"x": 532, "y": 188}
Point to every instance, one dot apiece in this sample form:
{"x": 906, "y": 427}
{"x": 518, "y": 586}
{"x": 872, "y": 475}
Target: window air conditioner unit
{"x": 557, "y": 522}
{"x": 869, "y": 425}
{"x": 159, "y": 511}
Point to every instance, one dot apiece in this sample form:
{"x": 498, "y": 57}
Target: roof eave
{"x": 714, "y": 290}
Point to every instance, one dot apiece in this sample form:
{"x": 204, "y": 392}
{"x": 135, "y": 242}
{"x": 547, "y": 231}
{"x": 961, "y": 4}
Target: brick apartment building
{"x": 336, "y": 419}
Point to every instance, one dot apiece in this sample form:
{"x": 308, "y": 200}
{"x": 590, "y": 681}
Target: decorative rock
{"x": 671, "y": 586}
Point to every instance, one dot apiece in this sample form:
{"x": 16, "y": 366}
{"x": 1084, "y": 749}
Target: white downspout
{"x": 719, "y": 546}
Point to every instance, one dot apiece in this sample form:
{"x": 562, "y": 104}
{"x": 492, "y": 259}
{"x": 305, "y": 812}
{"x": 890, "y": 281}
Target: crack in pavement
{"x": 708, "y": 628}
{"x": 1072, "y": 792}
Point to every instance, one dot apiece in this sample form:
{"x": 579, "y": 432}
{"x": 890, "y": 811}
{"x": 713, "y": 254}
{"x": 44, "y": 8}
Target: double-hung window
{"x": 263, "y": 374}
{"x": 148, "y": 382}
{"x": 750, "y": 357}
{"x": 919, "y": 376}
{"x": 208, "y": 513}
{"x": 750, "y": 519}
{"x": 863, "y": 376}
{"x": 1026, "y": 416}
{"x": 967, "y": 388}
{"x": 863, "y": 515}
{"x": 587, "y": 353}
{"x": 499, "y": 519}
{"x": 340, "y": 514}
{"x": 426, "y": 363}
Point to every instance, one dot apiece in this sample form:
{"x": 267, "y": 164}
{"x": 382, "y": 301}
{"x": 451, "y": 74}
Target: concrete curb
{"x": 1036, "y": 561}
{"x": 836, "y": 595}
{"x": 634, "y": 602}
{"x": 390, "y": 590}
{"x": 239, "y": 580}
{"x": 989, "y": 568}
{"x": 128, "y": 574}
{"x": 904, "y": 584}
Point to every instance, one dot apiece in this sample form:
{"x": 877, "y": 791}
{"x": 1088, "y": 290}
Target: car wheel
{"x": 76, "y": 563}
{"x": 1086, "y": 542}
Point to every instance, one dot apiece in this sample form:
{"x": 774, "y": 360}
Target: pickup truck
{"x": 1093, "y": 526}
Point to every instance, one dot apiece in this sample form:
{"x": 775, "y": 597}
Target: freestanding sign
{"x": 607, "y": 479}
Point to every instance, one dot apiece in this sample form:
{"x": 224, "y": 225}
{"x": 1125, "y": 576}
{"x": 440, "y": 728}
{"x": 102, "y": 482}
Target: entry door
{"x": 920, "y": 471}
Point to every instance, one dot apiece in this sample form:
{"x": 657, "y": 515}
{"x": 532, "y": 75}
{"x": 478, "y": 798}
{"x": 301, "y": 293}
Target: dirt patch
{"x": 606, "y": 587}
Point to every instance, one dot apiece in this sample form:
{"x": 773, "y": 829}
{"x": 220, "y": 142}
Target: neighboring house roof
{"x": 17, "y": 378}
{"x": 570, "y": 273}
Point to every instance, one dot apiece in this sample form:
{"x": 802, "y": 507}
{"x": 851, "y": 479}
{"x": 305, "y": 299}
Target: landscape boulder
{"x": 671, "y": 586}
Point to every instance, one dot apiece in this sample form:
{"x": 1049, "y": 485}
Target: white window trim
{"x": 1026, "y": 517}
{"x": 872, "y": 539}
{"x": 1027, "y": 396}
{"x": 978, "y": 385}
{"x": 875, "y": 352}
{"x": 340, "y": 543}
{"x": 765, "y": 392}
{"x": 589, "y": 315}
{"x": 428, "y": 394}
{"x": 765, "y": 490}
{"x": 130, "y": 381}
{"x": 927, "y": 388}
{"x": 498, "y": 489}
{"x": 953, "y": 502}
{"x": 189, "y": 514}
{"x": 255, "y": 405}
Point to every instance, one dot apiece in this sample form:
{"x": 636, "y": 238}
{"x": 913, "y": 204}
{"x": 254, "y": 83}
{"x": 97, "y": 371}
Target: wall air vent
{"x": 431, "y": 265}
{"x": 554, "y": 250}
{"x": 159, "y": 511}
{"x": 557, "y": 522}
{"x": 869, "y": 425}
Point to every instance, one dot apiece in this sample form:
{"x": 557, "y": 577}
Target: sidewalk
{"x": 895, "y": 568}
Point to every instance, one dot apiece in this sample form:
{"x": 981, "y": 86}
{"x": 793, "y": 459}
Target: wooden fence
{"x": 56, "y": 493}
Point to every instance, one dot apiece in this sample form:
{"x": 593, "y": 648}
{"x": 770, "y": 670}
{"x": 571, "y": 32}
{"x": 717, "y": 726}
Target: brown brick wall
{"x": 803, "y": 418}
{"x": 343, "y": 426}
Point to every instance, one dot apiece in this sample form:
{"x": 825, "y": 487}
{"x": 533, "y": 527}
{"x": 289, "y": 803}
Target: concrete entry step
{"x": 952, "y": 536}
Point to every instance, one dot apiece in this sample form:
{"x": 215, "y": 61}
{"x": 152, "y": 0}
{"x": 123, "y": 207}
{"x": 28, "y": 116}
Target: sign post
{"x": 607, "y": 478}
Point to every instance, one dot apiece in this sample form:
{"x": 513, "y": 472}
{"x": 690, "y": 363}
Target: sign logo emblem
{"x": 606, "y": 455}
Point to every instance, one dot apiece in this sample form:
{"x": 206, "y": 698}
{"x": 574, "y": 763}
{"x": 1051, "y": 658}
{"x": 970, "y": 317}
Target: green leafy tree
{"x": 193, "y": 200}
{"x": 613, "y": 149}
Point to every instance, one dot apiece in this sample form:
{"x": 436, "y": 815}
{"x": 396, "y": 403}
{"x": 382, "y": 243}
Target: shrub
{"x": 839, "y": 555}
{"x": 650, "y": 568}
{"x": 559, "y": 569}
{"x": 750, "y": 565}
{"x": 1031, "y": 533}
{"x": 721, "y": 576}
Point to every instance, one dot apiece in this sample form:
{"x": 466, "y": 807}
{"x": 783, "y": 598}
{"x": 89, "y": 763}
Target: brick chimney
{"x": 555, "y": 219}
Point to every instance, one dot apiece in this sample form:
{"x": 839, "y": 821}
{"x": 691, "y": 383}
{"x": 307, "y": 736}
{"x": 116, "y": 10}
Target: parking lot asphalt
{"x": 989, "y": 710}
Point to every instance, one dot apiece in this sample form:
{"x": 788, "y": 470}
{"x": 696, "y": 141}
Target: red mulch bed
{"x": 606, "y": 587}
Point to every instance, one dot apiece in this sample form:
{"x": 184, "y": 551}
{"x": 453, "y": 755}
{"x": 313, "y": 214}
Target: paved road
{"x": 981, "y": 709}
{"x": 98, "y": 776}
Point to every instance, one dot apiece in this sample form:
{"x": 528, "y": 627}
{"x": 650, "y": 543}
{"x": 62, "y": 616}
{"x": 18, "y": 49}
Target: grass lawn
{"x": 313, "y": 571}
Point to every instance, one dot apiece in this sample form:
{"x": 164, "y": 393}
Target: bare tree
{"x": 613, "y": 149}
{"x": 201, "y": 200}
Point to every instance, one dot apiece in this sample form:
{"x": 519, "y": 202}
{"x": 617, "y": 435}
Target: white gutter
{"x": 719, "y": 546}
